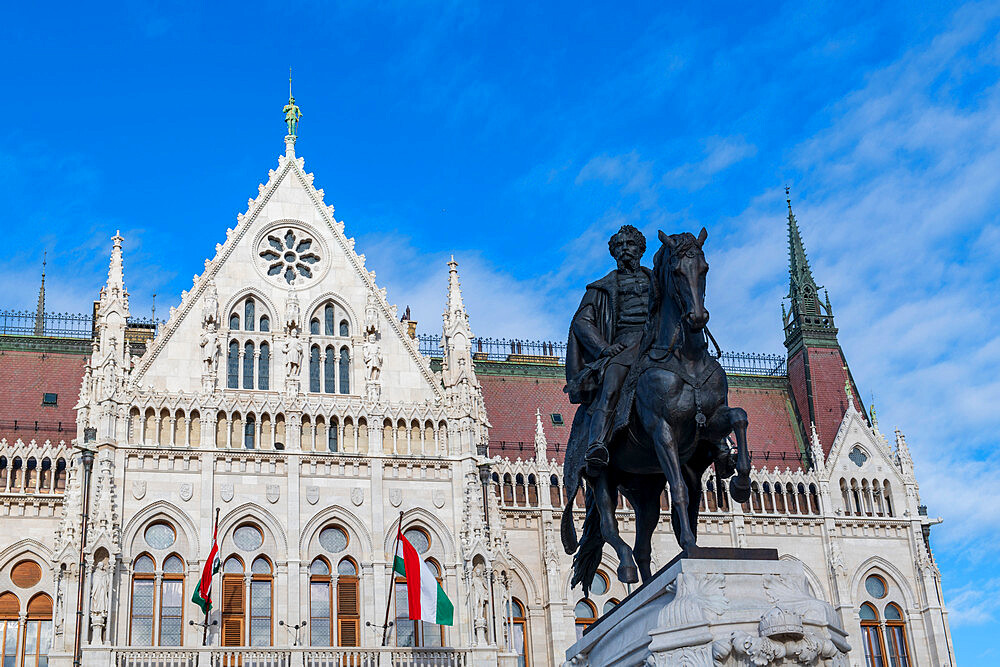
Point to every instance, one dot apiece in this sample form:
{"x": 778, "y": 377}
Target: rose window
{"x": 289, "y": 255}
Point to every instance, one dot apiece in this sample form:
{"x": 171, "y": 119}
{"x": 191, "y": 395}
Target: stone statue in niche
{"x": 210, "y": 347}
{"x": 479, "y": 595}
{"x": 372, "y": 354}
{"x": 293, "y": 356}
{"x": 100, "y": 598}
{"x": 109, "y": 372}
{"x": 210, "y": 311}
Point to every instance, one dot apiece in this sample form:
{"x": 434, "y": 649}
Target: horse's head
{"x": 680, "y": 267}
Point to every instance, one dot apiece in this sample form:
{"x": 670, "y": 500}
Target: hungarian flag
{"x": 426, "y": 598}
{"x": 203, "y": 593}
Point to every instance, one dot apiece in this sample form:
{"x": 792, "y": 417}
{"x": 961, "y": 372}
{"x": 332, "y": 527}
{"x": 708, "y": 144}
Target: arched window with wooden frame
{"x": 143, "y": 601}
{"x": 320, "y": 607}
{"x": 10, "y": 610}
{"x": 172, "y": 602}
{"x": 233, "y": 602}
{"x": 895, "y": 636}
{"x": 37, "y": 632}
{"x": 348, "y": 604}
{"x": 410, "y": 632}
{"x": 261, "y": 594}
{"x": 586, "y": 614}
{"x": 519, "y": 631}
{"x": 871, "y": 636}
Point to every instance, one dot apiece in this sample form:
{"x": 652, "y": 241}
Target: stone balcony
{"x": 297, "y": 656}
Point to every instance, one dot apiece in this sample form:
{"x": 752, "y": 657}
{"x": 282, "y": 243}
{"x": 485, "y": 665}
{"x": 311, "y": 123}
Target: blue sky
{"x": 519, "y": 137}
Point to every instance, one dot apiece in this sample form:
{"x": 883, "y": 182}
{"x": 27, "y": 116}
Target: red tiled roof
{"x": 24, "y": 377}
{"x": 511, "y": 402}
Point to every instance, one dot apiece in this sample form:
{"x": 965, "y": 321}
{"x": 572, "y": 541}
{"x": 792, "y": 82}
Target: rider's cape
{"x": 585, "y": 366}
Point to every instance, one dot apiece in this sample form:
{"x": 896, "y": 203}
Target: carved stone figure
{"x": 372, "y": 353}
{"x": 293, "y": 357}
{"x": 480, "y": 597}
{"x": 210, "y": 349}
{"x": 57, "y": 616}
{"x": 653, "y": 403}
{"x": 293, "y": 316}
{"x": 100, "y": 590}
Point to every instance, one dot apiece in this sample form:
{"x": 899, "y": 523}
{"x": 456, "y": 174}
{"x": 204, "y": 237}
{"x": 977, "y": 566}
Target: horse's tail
{"x": 588, "y": 558}
{"x": 567, "y": 529}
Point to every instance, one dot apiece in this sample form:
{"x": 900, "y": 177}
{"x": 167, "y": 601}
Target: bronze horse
{"x": 665, "y": 435}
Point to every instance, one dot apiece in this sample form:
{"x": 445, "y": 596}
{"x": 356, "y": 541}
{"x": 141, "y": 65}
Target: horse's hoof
{"x": 628, "y": 574}
{"x": 739, "y": 488}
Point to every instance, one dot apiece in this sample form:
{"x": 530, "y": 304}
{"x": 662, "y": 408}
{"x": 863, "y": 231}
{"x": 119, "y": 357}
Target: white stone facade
{"x": 175, "y": 442}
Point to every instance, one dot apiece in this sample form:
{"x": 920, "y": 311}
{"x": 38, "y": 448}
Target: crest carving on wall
{"x": 312, "y": 494}
{"x": 395, "y": 497}
{"x": 226, "y": 492}
{"x": 438, "y": 498}
{"x": 138, "y": 490}
{"x": 272, "y": 492}
{"x": 186, "y": 491}
{"x": 357, "y": 495}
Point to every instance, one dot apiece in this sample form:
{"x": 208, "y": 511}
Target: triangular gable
{"x": 855, "y": 430}
{"x": 289, "y": 195}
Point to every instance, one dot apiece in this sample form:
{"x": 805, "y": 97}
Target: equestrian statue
{"x": 653, "y": 404}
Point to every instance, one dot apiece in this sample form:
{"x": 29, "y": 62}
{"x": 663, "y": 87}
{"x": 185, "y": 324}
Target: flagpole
{"x": 388, "y": 599}
{"x": 215, "y": 531}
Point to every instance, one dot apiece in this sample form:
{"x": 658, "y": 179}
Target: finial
{"x": 847, "y": 386}
{"x": 45, "y": 255}
{"x": 291, "y": 110}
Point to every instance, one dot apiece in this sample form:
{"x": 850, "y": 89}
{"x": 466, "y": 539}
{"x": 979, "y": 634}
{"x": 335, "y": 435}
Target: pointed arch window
{"x": 330, "y": 371}
{"x": 264, "y": 366}
{"x": 248, "y": 365}
{"x": 345, "y": 371}
{"x": 314, "y": 326}
{"x": 37, "y": 632}
{"x": 248, "y": 313}
{"x": 328, "y": 319}
{"x": 234, "y": 322}
{"x": 314, "y": 369}
{"x": 519, "y": 631}
{"x": 344, "y": 331}
{"x": 261, "y": 588}
{"x": 172, "y": 602}
{"x": 10, "y": 609}
{"x": 348, "y": 606}
{"x": 143, "y": 600}
{"x": 320, "y": 616}
{"x": 233, "y": 366}
{"x": 265, "y": 323}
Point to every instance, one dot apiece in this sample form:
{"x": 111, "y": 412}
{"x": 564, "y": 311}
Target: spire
{"x": 456, "y": 307}
{"x": 457, "y": 338}
{"x": 799, "y": 273}
{"x": 541, "y": 444}
{"x": 292, "y": 116}
{"x": 116, "y": 274}
{"x": 40, "y": 310}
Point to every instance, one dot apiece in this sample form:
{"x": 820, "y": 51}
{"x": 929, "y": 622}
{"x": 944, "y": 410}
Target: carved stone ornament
{"x": 438, "y": 498}
{"x": 696, "y": 594}
{"x": 139, "y": 490}
{"x": 358, "y": 496}
{"x": 272, "y": 492}
{"x": 312, "y": 494}
{"x": 395, "y": 497}
{"x": 226, "y": 492}
{"x": 186, "y": 491}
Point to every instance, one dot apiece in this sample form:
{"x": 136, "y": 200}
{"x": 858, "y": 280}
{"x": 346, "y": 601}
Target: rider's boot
{"x": 597, "y": 452}
{"x": 725, "y": 460}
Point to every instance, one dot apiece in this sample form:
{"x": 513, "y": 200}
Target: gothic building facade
{"x": 285, "y": 395}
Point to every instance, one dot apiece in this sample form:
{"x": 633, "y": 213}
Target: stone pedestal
{"x": 723, "y": 608}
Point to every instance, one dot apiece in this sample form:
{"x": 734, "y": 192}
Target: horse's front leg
{"x": 739, "y": 487}
{"x": 607, "y": 503}
{"x": 666, "y": 451}
{"x": 645, "y": 499}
